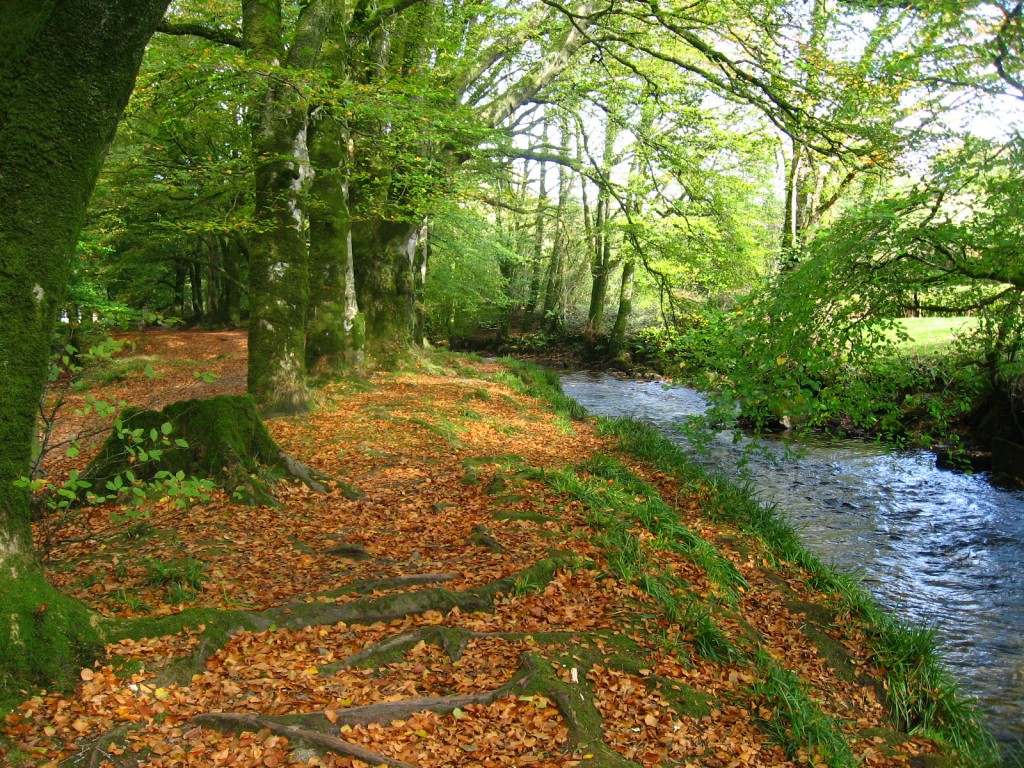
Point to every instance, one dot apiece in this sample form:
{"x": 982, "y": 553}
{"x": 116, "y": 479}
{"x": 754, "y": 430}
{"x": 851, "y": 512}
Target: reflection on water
{"x": 943, "y": 549}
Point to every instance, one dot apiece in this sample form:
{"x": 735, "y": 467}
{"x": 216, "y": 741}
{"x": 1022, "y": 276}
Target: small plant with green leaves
{"x": 524, "y": 586}
{"x": 131, "y": 600}
{"x": 159, "y": 573}
{"x": 178, "y": 593}
{"x": 181, "y": 579}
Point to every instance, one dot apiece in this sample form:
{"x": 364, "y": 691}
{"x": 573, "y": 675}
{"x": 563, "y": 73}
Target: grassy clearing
{"x": 933, "y": 335}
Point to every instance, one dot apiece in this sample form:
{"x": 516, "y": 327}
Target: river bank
{"x": 943, "y": 548}
{"x": 909, "y": 402}
{"x": 512, "y": 583}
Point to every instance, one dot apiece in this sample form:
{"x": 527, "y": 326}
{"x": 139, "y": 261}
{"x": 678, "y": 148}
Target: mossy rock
{"x": 224, "y": 440}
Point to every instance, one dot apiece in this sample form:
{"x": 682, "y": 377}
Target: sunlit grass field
{"x": 933, "y": 335}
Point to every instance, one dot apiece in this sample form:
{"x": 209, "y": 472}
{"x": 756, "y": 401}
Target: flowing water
{"x": 941, "y": 548}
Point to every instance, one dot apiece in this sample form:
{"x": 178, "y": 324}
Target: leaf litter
{"x": 434, "y": 453}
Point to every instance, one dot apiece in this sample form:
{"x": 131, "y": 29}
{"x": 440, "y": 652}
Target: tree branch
{"x": 220, "y": 35}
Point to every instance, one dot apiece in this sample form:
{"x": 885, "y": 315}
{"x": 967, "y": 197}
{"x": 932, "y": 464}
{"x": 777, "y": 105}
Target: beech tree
{"x": 66, "y": 72}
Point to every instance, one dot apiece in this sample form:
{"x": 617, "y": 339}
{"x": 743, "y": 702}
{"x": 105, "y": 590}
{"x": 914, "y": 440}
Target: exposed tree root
{"x": 221, "y": 624}
{"x": 96, "y": 752}
{"x": 368, "y": 586}
{"x": 450, "y": 639}
{"x": 228, "y": 722}
{"x": 483, "y": 537}
{"x": 349, "y": 551}
{"x": 575, "y": 701}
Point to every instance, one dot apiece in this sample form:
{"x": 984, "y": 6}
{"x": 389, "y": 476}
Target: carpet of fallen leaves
{"x": 430, "y": 452}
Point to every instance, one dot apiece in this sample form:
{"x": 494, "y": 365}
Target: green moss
{"x": 45, "y": 637}
{"x": 358, "y": 334}
{"x": 224, "y": 437}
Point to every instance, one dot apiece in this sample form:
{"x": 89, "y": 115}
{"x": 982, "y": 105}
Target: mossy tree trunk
{"x": 278, "y": 256}
{"x": 384, "y": 256}
{"x": 66, "y": 72}
{"x": 334, "y": 336}
{"x": 554, "y": 283}
{"x": 617, "y": 341}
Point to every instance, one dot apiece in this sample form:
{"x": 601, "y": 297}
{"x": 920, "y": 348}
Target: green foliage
{"x": 691, "y": 348}
{"x": 466, "y": 289}
{"x": 174, "y": 198}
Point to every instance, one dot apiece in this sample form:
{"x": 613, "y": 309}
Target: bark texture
{"x": 278, "y": 256}
{"x": 335, "y": 332}
{"x": 67, "y": 70}
{"x": 384, "y": 255}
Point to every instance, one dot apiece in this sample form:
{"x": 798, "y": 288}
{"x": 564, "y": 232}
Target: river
{"x": 940, "y": 548}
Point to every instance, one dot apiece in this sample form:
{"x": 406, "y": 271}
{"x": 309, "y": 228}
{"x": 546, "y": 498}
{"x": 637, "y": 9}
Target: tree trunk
{"x": 178, "y": 305}
{"x": 601, "y": 256}
{"x": 278, "y": 254}
{"x": 617, "y": 342}
{"x": 554, "y": 284}
{"x": 235, "y": 257}
{"x": 533, "y": 303}
{"x": 278, "y": 268}
{"x": 66, "y": 72}
{"x": 335, "y": 335}
{"x": 384, "y": 255}
{"x": 195, "y": 275}
{"x": 419, "y": 273}
{"x": 225, "y": 441}
{"x": 599, "y": 267}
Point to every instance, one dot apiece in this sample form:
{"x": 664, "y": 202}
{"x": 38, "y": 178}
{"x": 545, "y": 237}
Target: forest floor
{"x": 489, "y": 598}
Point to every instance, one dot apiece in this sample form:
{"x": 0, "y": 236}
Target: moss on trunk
{"x": 333, "y": 333}
{"x": 66, "y": 72}
{"x": 226, "y": 441}
{"x": 384, "y": 256}
{"x": 45, "y": 637}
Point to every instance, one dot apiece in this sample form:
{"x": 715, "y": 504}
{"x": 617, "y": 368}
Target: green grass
{"x": 616, "y": 500}
{"x": 922, "y": 695}
{"x": 797, "y": 723}
{"x": 933, "y": 335}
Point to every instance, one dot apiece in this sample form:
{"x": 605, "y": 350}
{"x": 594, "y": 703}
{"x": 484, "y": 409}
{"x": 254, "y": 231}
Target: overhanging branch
{"x": 219, "y": 35}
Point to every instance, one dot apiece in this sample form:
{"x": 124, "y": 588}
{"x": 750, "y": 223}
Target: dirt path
{"x": 494, "y": 596}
